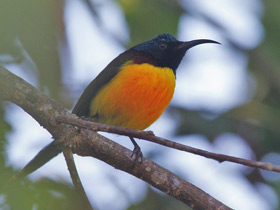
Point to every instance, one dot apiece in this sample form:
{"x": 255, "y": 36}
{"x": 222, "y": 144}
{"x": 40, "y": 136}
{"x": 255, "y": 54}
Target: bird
{"x": 132, "y": 91}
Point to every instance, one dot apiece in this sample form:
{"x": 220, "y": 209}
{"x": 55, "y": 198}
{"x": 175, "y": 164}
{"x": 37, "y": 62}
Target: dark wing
{"x": 82, "y": 108}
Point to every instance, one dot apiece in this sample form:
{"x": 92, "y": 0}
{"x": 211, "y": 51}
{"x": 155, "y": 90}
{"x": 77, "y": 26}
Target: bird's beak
{"x": 187, "y": 45}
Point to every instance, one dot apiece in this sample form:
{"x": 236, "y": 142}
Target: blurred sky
{"x": 211, "y": 77}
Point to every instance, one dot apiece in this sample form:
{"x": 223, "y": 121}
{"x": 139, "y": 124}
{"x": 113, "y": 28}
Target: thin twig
{"x": 149, "y": 136}
{"x": 75, "y": 178}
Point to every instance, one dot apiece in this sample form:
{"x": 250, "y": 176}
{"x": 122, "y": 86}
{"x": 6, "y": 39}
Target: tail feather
{"x": 46, "y": 154}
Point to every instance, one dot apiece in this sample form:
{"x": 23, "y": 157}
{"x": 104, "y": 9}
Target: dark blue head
{"x": 165, "y": 50}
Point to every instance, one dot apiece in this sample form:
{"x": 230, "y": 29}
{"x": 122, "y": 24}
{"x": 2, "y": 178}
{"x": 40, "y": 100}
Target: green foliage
{"x": 43, "y": 194}
{"x": 142, "y": 15}
{"x": 4, "y": 128}
{"x": 30, "y": 33}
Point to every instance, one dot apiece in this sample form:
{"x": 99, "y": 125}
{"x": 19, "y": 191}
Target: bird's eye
{"x": 162, "y": 46}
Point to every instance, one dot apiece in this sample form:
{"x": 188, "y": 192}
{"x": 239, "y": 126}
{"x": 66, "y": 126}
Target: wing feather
{"x": 82, "y": 108}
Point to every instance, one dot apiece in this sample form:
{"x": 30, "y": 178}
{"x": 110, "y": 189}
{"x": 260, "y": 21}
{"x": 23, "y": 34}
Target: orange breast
{"x": 136, "y": 97}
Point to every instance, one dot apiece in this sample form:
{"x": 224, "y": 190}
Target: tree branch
{"x": 89, "y": 143}
{"x": 149, "y": 136}
{"x": 76, "y": 179}
{"x": 99, "y": 147}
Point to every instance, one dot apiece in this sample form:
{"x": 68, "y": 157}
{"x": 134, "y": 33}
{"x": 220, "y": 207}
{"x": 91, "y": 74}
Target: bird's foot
{"x": 136, "y": 153}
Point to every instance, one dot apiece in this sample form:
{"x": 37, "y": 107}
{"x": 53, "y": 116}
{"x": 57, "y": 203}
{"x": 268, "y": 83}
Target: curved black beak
{"x": 187, "y": 45}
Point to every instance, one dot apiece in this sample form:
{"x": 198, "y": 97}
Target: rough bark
{"x": 89, "y": 143}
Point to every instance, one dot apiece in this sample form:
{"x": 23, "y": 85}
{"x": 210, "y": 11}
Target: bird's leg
{"x": 136, "y": 151}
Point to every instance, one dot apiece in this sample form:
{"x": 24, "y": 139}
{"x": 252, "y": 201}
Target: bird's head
{"x": 165, "y": 50}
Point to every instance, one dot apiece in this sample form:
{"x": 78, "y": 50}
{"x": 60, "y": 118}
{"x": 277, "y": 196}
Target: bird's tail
{"x": 46, "y": 154}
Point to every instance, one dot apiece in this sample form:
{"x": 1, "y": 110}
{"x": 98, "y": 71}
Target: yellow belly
{"x": 135, "y": 98}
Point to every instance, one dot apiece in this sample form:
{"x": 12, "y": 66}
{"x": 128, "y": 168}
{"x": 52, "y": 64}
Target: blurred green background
{"x": 33, "y": 39}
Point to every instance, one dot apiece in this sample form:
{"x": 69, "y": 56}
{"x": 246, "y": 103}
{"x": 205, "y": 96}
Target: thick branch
{"x": 100, "y": 147}
{"x": 89, "y": 143}
{"x": 42, "y": 108}
{"x": 146, "y": 135}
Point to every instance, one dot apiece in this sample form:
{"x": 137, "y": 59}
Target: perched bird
{"x": 132, "y": 91}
